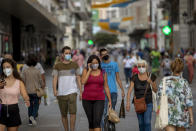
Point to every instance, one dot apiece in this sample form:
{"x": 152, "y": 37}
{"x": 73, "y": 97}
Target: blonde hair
{"x": 141, "y": 61}
{"x": 177, "y": 65}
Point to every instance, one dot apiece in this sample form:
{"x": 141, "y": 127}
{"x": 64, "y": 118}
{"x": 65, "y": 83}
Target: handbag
{"x": 112, "y": 116}
{"x": 122, "y": 109}
{"x": 40, "y": 92}
{"x": 162, "y": 112}
{"x": 140, "y": 104}
{"x": 108, "y": 125}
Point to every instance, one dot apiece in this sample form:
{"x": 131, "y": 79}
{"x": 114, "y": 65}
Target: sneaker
{"x": 34, "y": 123}
{"x": 30, "y": 124}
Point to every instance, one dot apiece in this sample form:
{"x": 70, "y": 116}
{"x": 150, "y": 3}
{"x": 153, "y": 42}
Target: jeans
{"x": 144, "y": 119}
{"x": 114, "y": 101}
{"x": 128, "y": 72}
{"x": 34, "y": 105}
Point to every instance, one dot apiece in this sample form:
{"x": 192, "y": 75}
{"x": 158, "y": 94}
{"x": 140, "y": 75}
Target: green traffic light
{"x": 90, "y": 42}
{"x": 166, "y": 30}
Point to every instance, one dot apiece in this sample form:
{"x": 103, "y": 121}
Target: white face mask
{"x": 95, "y": 66}
{"x": 7, "y": 71}
{"x": 142, "y": 70}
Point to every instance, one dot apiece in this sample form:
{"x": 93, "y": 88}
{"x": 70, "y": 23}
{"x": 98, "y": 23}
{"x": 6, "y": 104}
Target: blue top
{"x": 111, "y": 69}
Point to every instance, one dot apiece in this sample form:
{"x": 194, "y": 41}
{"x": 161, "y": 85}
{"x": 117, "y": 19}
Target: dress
{"x": 179, "y": 99}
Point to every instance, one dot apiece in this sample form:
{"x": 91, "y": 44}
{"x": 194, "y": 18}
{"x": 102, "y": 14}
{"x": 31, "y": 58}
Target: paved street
{"x": 49, "y": 116}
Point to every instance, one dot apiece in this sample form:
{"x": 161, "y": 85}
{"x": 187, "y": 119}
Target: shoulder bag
{"x": 140, "y": 104}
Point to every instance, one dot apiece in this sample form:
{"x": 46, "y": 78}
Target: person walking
{"x": 93, "y": 97}
{"x": 166, "y": 65}
{"x": 141, "y": 84}
{"x": 128, "y": 65}
{"x": 40, "y": 68}
{"x": 9, "y": 94}
{"x": 33, "y": 80}
{"x": 189, "y": 59}
{"x": 180, "y": 100}
{"x": 112, "y": 70}
{"x": 155, "y": 56}
{"x": 79, "y": 59}
{"x": 67, "y": 74}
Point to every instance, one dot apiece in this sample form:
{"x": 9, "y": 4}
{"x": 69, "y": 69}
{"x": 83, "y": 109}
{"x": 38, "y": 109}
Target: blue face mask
{"x": 67, "y": 57}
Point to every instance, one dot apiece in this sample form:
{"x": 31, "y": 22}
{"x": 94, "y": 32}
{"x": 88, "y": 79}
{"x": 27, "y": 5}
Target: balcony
{"x": 82, "y": 9}
{"x": 31, "y": 12}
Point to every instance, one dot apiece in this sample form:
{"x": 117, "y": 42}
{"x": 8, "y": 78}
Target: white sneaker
{"x": 33, "y": 120}
{"x": 30, "y": 124}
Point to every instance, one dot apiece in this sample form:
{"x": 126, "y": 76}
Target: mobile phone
{"x": 2, "y": 81}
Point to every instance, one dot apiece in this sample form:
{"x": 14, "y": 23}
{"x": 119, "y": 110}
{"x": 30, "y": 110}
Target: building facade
{"x": 41, "y": 27}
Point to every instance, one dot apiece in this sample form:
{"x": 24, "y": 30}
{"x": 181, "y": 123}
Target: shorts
{"x": 67, "y": 104}
{"x": 10, "y": 116}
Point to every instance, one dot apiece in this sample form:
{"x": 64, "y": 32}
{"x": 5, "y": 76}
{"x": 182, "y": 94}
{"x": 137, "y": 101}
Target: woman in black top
{"x": 139, "y": 83}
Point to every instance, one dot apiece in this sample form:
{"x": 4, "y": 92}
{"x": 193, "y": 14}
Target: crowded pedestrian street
{"x": 97, "y": 65}
{"x": 49, "y": 116}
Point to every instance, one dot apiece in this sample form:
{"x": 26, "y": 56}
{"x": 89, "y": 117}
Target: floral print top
{"x": 179, "y": 99}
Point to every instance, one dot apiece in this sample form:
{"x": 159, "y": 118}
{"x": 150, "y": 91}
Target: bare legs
{"x": 72, "y": 122}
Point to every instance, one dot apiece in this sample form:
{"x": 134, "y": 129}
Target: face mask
{"x": 7, "y": 71}
{"x": 106, "y": 57}
{"x": 67, "y": 57}
{"x": 142, "y": 70}
{"x": 128, "y": 57}
{"x": 95, "y": 66}
{"x": 179, "y": 55}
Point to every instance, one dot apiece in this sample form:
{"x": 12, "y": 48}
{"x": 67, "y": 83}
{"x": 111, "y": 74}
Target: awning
{"x": 124, "y": 4}
{"x": 137, "y": 33}
{"x": 31, "y": 12}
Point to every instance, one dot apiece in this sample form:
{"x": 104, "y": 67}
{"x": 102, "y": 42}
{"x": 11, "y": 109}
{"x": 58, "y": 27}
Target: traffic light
{"x": 166, "y": 30}
{"x": 90, "y": 42}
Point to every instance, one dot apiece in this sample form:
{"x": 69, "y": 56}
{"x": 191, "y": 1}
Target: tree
{"x": 102, "y": 39}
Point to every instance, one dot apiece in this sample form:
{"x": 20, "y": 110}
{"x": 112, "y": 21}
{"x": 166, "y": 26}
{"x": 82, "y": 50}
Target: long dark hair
{"x": 91, "y": 58}
{"x": 13, "y": 64}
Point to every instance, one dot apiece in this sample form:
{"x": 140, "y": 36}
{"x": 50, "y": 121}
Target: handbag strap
{"x": 148, "y": 74}
{"x": 164, "y": 86}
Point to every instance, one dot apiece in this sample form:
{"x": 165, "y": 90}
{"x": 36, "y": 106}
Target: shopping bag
{"x": 108, "y": 125}
{"x": 122, "y": 110}
{"x": 113, "y": 117}
{"x": 162, "y": 112}
{"x": 154, "y": 100}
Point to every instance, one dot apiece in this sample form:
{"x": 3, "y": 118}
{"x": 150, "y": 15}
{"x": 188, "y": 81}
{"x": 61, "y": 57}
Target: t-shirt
{"x": 128, "y": 63}
{"x": 38, "y": 66}
{"x": 66, "y": 77}
{"x": 111, "y": 69}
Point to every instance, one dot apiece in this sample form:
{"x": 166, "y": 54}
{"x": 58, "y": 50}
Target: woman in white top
{"x": 128, "y": 64}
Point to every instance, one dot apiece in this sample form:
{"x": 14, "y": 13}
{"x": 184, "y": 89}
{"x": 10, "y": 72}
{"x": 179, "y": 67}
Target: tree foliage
{"x": 102, "y": 39}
